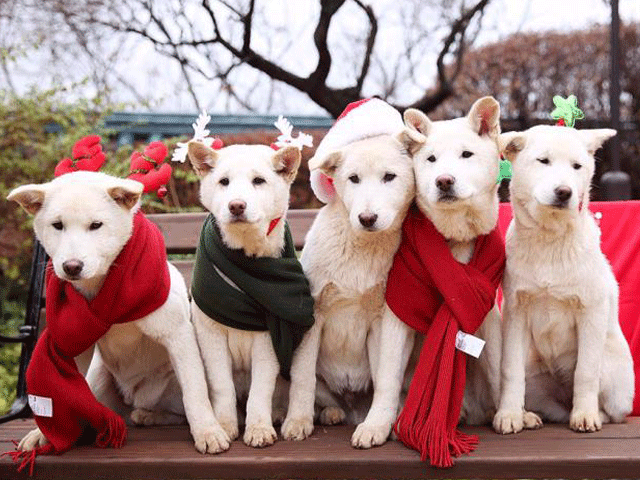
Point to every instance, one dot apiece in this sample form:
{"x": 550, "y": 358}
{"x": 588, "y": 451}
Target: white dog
{"x": 456, "y": 169}
{"x": 151, "y": 365}
{"x": 246, "y": 188}
{"x": 349, "y": 249}
{"x": 564, "y": 356}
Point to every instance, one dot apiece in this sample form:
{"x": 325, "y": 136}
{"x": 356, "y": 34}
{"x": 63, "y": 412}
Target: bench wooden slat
{"x": 168, "y": 453}
{"x": 182, "y": 230}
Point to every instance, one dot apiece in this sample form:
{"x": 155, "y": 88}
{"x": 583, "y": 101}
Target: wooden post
{"x": 616, "y": 184}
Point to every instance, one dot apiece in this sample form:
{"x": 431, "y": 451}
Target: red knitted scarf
{"x": 136, "y": 285}
{"x": 437, "y": 296}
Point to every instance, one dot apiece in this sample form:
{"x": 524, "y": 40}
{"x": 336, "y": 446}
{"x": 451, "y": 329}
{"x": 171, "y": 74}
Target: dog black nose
{"x": 563, "y": 193}
{"x": 367, "y": 220}
{"x": 72, "y": 267}
{"x": 445, "y": 182}
{"x": 237, "y": 207}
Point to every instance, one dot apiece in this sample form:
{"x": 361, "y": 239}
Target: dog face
{"x": 82, "y": 219}
{"x": 456, "y": 169}
{"x": 374, "y": 180}
{"x": 552, "y": 167}
{"x": 245, "y": 187}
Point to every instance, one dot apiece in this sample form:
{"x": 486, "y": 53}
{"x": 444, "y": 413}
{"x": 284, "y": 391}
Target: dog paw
{"x": 367, "y": 436}
{"x": 506, "y": 421}
{"x": 147, "y": 418}
{"x": 31, "y": 440}
{"x": 531, "y": 421}
{"x": 582, "y": 421}
{"x": 230, "y": 426}
{"x": 332, "y": 416}
{"x": 211, "y": 440}
{"x": 297, "y": 428}
{"x": 260, "y": 435}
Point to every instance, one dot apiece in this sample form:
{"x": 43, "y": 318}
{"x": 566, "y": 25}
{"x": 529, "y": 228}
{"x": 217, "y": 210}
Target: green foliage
{"x": 10, "y": 320}
{"x": 36, "y": 131}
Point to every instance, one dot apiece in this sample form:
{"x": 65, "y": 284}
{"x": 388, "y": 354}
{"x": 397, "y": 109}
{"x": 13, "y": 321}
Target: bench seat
{"x": 168, "y": 453}
{"x": 552, "y": 452}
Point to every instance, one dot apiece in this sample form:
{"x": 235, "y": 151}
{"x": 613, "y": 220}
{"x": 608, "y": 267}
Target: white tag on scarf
{"x": 469, "y": 344}
{"x": 41, "y": 406}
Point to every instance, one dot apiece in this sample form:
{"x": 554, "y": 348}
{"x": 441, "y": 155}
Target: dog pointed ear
{"x": 411, "y": 139}
{"x": 202, "y": 158}
{"x": 327, "y": 164}
{"x": 484, "y": 117}
{"x": 595, "y": 138}
{"x": 417, "y": 122}
{"x": 511, "y": 144}
{"x": 126, "y": 193}
{"x": 30, "y": 197}
{"x": 286, "y": 162}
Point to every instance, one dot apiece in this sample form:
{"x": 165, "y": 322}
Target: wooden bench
{"x": 168, "y": 453}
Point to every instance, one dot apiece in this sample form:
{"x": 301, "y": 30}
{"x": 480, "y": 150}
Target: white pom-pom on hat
{"x": 363, "y": 119}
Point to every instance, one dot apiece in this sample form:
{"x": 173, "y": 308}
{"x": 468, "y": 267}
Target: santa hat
{"x": 365, "y": 118}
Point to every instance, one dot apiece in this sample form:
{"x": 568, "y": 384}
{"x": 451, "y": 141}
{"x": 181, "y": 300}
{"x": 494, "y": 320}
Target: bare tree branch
{"x": 431, "y": 100}
{"x": 156, "y": 22}
{"x": 328, "y": 9}
{"x": 371, "y": 39}
{"x": 247, "y": 21}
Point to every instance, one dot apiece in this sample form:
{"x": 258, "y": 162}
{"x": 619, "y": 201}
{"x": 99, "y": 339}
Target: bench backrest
{"x": 182, "y": 230}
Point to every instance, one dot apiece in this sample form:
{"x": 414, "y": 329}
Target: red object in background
{"x": 620, "y": 242}
{"x": 148, "y": 169}
{"x": 87, "y": 155}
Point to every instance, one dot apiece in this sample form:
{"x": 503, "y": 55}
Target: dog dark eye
{"x": 354, "y": 179}
{"x": 544, "y": 161}
{"x": 95, "y": 225}
{"x": 431, "y": 158}
{"x": 224, "y": 181}
{"x": 388, "y": 177}
{"x": 57, "y": 225}
{"x": 576, "y": 166}
{"x": 258, "y": 181}
{"x": 466, "y": 154}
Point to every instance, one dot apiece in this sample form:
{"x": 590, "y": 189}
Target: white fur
{"x": 230, "y": 354}
{"x": 141, "y": 367}
{"x": 369, "y": 119}
{"x": 469, "y": 211}
{"x": 356, "y": 340}
{"x": 565, "y": 357}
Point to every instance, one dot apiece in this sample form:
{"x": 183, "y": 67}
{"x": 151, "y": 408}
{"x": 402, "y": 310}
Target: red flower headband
{"x": 146, "y": 167}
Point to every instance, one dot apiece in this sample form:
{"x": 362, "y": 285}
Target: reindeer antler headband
{"x": 147, "y": 167}
{"x": 201, "y": 134}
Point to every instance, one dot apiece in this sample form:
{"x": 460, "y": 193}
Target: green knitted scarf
{"x": 275, "y": 293}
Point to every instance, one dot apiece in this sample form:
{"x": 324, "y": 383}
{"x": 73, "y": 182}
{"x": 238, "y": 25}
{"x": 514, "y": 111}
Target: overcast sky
{"x": 160, "y": 78}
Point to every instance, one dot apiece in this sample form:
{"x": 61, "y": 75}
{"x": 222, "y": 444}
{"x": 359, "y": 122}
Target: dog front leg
{"x": 298, "y": 424}
{"x": 259, "y": 431}
{"x": 218, "y": 366}
{"x": 511, "y": 416}
{"x": 389, "y": 346}
{"x": 591, "y": 330}
{"x": 208, "y": 434}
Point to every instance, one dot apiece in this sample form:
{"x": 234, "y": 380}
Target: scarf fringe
{"x": 433, "y": 443}
{"x": 437, "y": 383}
{"x": 27, "y": 458}
{"x": 114, "y": 435}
